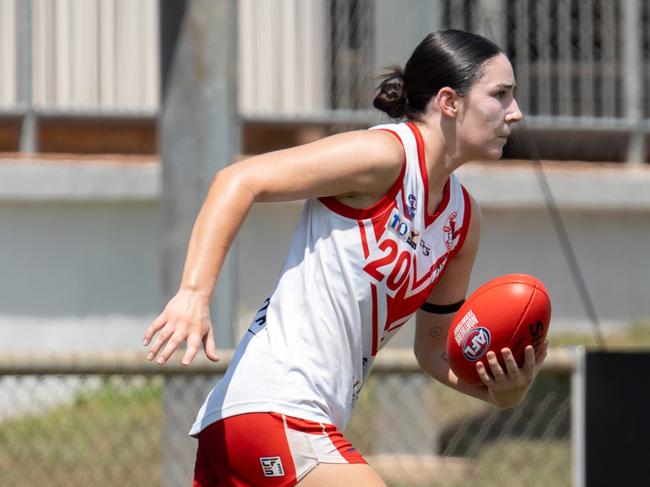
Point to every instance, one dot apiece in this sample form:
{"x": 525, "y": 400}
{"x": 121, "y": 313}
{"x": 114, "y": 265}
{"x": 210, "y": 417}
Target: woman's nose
{"x": 514, "y": 113}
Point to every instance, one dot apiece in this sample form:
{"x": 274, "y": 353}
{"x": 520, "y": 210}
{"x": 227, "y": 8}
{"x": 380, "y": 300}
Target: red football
{"x": 510, "y": 311}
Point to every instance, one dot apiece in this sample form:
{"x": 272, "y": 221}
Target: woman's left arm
{"x": 503, "y": 388}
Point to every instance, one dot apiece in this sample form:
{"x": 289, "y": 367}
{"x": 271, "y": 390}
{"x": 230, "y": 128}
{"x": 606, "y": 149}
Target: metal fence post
{"x": 29, "y": 124}
{"x": 633, "y": 79}
{"x": 199, "y": 129}
{"x": 578, "y": 384}
{"x": 398, "y": 30}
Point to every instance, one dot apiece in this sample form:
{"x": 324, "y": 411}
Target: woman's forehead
{"x": 497, "y": 71}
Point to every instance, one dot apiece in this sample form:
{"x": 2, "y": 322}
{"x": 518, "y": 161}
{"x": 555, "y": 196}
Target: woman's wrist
{"x": 195, "y": 291}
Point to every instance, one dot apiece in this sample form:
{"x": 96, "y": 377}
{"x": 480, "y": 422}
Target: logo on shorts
{"x": 272, "y": 466}
{"x": 476, "y": 343}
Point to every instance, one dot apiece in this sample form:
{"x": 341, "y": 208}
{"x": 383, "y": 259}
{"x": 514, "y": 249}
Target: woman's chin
{"x": 494, "y": 154}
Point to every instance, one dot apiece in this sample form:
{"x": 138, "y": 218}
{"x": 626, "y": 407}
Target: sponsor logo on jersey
{"x": 476, "y": 343}
{"x": 272, "y": 466}
{"x": 449, "y": 230}
{"x": 412, "y": 206}
{"x": 402, "y": 228}
{"x": 426, "y": 250}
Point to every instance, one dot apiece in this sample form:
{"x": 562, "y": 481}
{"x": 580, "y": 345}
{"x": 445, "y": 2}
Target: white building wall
{"x": 81, "y": 270}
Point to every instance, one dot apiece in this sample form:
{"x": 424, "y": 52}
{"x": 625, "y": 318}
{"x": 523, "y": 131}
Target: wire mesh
{"x": 110, "y": 429}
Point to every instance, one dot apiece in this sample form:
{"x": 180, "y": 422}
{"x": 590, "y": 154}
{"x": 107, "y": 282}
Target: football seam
{"x": 521, "y": 318}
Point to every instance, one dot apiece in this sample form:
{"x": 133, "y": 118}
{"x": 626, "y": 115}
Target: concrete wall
{"x": 80, "y": 264}
{"x": 78, "y": 254}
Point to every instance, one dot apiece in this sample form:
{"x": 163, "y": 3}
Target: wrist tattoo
{"x": 435, "y": 331}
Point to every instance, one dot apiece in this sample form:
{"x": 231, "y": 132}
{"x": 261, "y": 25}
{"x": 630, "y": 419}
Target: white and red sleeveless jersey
{"x": 352, "y": 278}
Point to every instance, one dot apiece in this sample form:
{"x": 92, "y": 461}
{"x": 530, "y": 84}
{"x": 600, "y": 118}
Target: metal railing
{"x": 116, "y": 419}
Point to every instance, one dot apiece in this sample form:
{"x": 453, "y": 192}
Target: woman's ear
{"x": 447, "y": 101}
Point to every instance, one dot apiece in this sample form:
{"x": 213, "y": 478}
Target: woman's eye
{"x": 500, "y": 95}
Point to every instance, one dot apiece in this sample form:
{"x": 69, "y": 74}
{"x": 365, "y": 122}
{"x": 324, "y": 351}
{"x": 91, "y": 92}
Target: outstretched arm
{"x": 358, "y": 167}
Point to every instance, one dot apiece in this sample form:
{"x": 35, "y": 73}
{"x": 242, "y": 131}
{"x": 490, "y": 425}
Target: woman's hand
{"x": 185, "y": 318}
{"x": 508, "y": 388}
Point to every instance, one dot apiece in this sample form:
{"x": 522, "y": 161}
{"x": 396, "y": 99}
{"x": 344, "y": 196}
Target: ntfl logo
{"x": 476, "y": 343}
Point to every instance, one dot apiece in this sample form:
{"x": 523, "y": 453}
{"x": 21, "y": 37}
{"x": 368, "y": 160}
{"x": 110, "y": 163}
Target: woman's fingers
{"x": 173, "y": 343}
{"x": 193, "y": 345}
{"x": 209, "y": 346}
{"x": 497, "y": 372}
{"x": 483, "y": 374}
{"x": 511, "y": 363}
{"x": 160, "y": 340}
{"x": 157, "y": 324}
{"x": 529, "y": 361}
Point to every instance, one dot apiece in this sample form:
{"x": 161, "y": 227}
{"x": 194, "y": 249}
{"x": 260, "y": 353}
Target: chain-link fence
{"x": 105, "y": 423}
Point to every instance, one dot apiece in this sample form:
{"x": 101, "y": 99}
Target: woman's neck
{"x": 438, "y": 162}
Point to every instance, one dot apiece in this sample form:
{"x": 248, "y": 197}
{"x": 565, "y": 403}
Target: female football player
{"x": 386, "y": 230}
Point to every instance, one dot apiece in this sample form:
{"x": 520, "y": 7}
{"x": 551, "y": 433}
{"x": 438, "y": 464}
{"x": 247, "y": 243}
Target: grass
{"x": 113, "y": 435}
{"x": 110, "y": 436}
{"x": 634, "y": 337}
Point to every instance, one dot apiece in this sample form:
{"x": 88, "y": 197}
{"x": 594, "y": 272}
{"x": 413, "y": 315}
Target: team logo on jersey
{"x": 412, "y": 206}
{"x": 450, "y": 232}
{"x": 402, "y": 228}
{"x": 272, "y": 466}
{"x": 476, "y": 343}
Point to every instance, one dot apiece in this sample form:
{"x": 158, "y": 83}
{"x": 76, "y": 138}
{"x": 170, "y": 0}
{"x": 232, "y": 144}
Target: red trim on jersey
{"x": 380, "y": 222}
{"x": 406, "y": 210}
{"x": 395, "y": 327}
{"x": 364, "y": 239}
{"x": 385, "y": 202}
{"x": 428, "y": 219}
{"x": 418, "y": 282}
{"x": 467, "y": 218}
{"x": 375, "y": 318}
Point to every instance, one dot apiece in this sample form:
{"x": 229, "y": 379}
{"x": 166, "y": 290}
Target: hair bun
{"x": 391, "y": 98}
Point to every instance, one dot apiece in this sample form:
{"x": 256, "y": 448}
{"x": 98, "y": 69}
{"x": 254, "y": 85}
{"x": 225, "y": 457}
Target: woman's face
{"x": 488, "y": 112}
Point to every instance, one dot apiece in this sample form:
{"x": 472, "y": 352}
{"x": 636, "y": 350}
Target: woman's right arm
{"x": 357, "y": 166}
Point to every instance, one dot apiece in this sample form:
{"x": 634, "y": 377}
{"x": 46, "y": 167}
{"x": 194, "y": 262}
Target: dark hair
{"x": 452, "y": 58}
